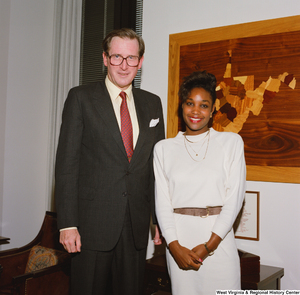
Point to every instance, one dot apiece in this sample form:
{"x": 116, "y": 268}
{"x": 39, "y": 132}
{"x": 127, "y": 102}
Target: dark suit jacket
{"x": 94, "y": 180}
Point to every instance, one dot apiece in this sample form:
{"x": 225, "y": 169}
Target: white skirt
{"x": 221, "y": 271}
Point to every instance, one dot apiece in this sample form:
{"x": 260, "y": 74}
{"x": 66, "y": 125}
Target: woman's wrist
{"x": 212, "y": 244}
{"x": 174, "y": 244}
{"x": 210, "y": 252}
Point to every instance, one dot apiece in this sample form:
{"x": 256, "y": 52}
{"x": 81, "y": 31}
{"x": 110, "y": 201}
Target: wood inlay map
{"x": 236, "y": 98}
{"x": 258, "y": 96}
{"x": 261, "y": 64}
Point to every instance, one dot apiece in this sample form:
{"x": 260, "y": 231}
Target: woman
{"x": 200, "y": 173}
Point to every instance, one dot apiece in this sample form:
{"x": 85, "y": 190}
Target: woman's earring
{"x": 210, "y": 115}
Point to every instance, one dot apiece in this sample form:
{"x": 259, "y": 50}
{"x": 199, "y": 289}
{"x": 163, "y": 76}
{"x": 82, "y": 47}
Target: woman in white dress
{"x": 200, "y": 186}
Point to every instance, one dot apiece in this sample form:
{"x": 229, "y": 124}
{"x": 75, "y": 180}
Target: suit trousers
{"x": 116, "y": 272}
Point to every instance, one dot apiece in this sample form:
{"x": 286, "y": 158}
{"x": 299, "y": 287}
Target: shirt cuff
{"x": 62, "y": 229}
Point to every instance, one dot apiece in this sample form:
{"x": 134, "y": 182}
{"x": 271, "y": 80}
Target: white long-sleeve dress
{"x": 218, "y": 180}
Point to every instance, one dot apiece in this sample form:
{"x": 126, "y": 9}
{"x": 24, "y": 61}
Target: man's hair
{"x": 199, "y": 79}
{"x": 123, "y": 33}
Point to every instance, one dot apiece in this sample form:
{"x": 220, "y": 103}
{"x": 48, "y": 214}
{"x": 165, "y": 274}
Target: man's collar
{"x": 114, "y": 91}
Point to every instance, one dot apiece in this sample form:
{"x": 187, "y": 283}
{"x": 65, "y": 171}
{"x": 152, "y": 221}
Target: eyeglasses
{"x": 117, "y": 59}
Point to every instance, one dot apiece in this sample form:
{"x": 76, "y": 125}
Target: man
{"x": 104, "y": 173}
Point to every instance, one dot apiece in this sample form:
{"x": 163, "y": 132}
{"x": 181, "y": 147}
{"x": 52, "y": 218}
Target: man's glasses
{"x": 117, "y": 59}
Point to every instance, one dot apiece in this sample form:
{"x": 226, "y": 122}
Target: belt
{"x": 202, "y": 212}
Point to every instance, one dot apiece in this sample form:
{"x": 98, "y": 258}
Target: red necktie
{"x": 126, "y": 127}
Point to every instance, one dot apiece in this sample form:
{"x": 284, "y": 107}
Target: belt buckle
{"x": 204, "y": 216}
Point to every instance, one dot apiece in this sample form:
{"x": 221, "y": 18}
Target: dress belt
{"x": 202, "y": 212}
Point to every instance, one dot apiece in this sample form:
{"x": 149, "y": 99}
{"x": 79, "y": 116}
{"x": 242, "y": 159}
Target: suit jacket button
{"x": 124, "y": 194}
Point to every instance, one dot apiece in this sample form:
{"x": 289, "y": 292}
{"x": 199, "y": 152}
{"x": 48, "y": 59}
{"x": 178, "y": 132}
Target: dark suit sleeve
{"x": 159, "y": 136}
{"x": 68, "y": 161}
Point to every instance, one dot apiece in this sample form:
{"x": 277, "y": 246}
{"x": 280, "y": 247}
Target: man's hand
{"x": 70, "y": 239}
{"x": 185, "y": 258}
{"x": 157, "y": 238}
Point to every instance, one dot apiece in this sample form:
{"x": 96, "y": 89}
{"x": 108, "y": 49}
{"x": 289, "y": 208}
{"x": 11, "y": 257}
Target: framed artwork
{"x": 247, "y": 223}
{"x": 258, "y": 77}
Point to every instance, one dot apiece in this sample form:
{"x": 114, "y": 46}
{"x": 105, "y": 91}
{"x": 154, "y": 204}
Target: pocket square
{"x": 154, "y": 122}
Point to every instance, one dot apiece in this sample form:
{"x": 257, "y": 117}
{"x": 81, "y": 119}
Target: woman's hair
{"x": 199, "y": 79}
{"x": 123, "y": 33}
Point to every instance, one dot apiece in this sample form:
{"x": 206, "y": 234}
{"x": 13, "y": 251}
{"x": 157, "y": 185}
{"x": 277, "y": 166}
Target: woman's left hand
{"x": 211, "y": 244}
{"x": 200, "y": 251}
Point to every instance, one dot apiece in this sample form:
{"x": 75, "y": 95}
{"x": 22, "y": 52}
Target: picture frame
{"x": 247, "y": 223}
{"x": 263, "y": 171}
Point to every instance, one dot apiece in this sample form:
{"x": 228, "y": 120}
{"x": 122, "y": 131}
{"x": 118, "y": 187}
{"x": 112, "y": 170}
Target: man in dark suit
{"x": 104, "y": 174}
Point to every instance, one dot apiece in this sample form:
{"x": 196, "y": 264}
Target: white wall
{"x": 4, "y": 40}
{"x": 25, "y": 98}
{"x": 279, "y": 203}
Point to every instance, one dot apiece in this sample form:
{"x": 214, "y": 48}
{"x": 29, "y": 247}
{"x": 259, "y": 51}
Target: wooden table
{"x": 268, "y": 279}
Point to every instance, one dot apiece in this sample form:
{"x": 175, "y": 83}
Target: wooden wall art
{"x": 257, "y": 66}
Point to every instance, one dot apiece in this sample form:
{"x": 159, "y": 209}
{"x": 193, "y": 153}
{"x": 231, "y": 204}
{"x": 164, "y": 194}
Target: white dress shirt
{"x": 114, "y": 93}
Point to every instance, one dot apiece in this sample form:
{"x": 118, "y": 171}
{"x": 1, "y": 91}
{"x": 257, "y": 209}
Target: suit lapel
{"x": 141, "y": 108}
{"x": 105, "y": 109}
